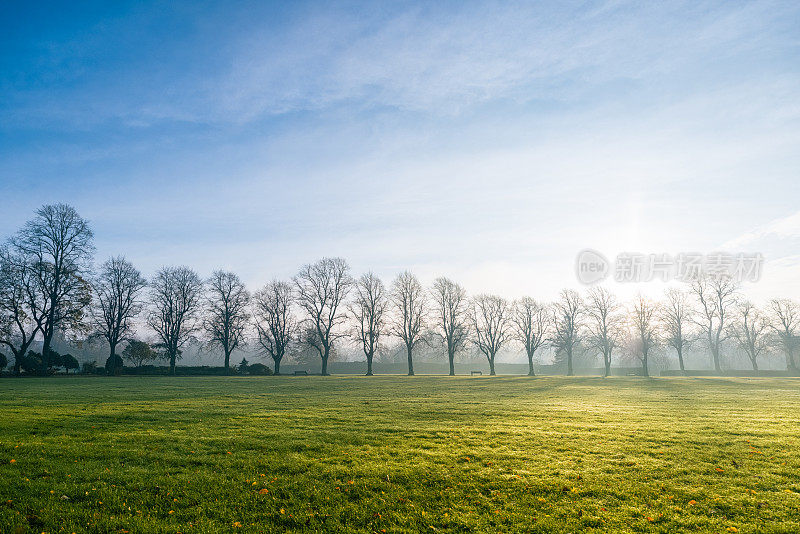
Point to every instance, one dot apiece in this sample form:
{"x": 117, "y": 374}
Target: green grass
{"x": 399, "y": 454}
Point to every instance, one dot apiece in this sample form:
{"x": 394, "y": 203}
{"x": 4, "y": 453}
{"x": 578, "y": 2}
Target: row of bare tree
{"x": 47, "y": 284}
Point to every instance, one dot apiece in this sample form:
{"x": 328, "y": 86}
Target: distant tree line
{"x": 48, "y": 285}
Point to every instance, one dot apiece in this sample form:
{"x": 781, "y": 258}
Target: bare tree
{"x": 715, "y": 296}
{"x": 57, "y": 247}
{"x": 677, "y": 317}
{"x": 645, "y": 333}
{"x": 568, "y": 314}
{"x": 368, "y": 310}
{"x": 748, "y": 328}
{"x": 785, "y": 321}
{"x": 491, "y": 323}
{"x": 175, "y": 294}
{"x": 529, "y": 322}
{"x": 604, "y": 324}
{"x": 117, "y": 289}
{"x": 275, "y": 322}
{"x": 452, "y": 316}
{"x": 227, "y": 314}
{"x": 321, "y": 290}
{"x": 408, "y": 298}
{"x": 22, "y": 307}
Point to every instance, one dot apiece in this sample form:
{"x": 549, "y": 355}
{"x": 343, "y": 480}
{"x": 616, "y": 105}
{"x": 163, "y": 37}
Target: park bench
{"x": 298, "y": 373}
{"x": 473, "y": 373}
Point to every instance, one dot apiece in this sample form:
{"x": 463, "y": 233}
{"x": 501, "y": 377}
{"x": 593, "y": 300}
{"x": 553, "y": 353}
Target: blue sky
{"x": 485, "y": 141}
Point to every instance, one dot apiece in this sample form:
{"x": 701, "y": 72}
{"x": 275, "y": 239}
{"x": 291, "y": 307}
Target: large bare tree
{"x": 22, "y": 306}
{"x": 117, "y": 290}
{"x": 57, "y": 247}
{"x": 227, "y": 315}
{"x": 452, "y": 316}
{"x": 275, "y": 320}
{"x": 604, "y": 323}
{"x": 645, "y": 330}
{"x": 491, "y": 323}
{"x": 785, "y": 321}
{"x": 568, "y": 313}
{"x": 529, "y": 323}
{"x": 749, "y": 328}
{"x": 321, "y": 290}
{"x": 410, "y": 308}
{"x": 677, "y": 316}
{"x": 368, "y": 310}
{"x": 175, "y": 298}
{"x": 715, "y": 295}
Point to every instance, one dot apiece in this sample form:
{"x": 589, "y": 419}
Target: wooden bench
{"x": 299, "y": 373}
{"x": 473, "y": 373}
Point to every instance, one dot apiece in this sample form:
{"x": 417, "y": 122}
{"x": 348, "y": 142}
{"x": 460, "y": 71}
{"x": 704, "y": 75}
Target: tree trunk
{"x": 369, "y": 364}
{"x": 680, "y": 360}
{"x": 451, "y": 356}
{"x": 325, "y": 355}
{"x": 531, "y": 372}
{"x": 227, "y": 360}
{"x": 790, "y": 363}
{"x": 645, "y": 372}
{"x": 410, "y": 361}
{"x": 113, "y": 360}
{"x": 172, "y": 363}
{"x": 755, "y": 364}
{"x": 491, "y": 366}
{"x": 715, "y": 355}
{"x": 569, "y": 362}
{"x": 277, "y": 365}
{"x": 607, "y": 362}
{"x": 48, "y": 339}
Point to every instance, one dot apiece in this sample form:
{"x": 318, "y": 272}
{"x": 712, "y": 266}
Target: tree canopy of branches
{"x": 786, "y": 323}
{"x": 57, "y": 249}
{"x": 452, "y": 315}
{"x": 22, "y": 306}
{"x": 175, "y": 294}
{"x": 529, "y": 323}
{"x": 568, "y": 314}
{"x": 604, "y": 324}
{"x": 748, "y": 328}
{"x": 275, "y": 323}
{"x": 715, "y": 295}
{"x": 367, "y": 310}
{"x": 645, "y": 335}
{"x": 410, "y": 306}
{"x": 117, "y": 289}
{"x": 227, "y": 316}
{"x": 677, "y": 316}
{"x": 322, "y": 288}
{"x": 491, "y": 323}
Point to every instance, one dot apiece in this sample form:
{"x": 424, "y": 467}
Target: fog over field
{"x": 400, "y": 266}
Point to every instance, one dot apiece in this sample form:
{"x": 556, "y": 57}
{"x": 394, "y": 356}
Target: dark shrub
{"x": 115, "y": 364}
{"x": 31, "y": 363}
{"x": 68, "y": 361}
{"x": 259, "y": 369}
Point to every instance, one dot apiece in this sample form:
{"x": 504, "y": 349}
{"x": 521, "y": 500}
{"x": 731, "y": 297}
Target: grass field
{"x": 399, "y": 454}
